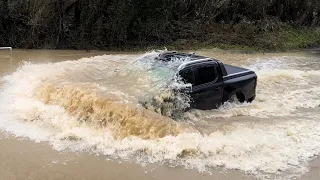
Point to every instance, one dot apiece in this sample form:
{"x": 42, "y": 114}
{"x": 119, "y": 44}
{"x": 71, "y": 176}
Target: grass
{"x": 298, "y": 39}
{"x": 283, "y": 39}
{"x": 288, "y": 39}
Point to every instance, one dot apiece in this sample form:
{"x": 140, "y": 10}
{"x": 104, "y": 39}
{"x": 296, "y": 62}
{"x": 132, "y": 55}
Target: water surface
{"x": 91, "y": 102}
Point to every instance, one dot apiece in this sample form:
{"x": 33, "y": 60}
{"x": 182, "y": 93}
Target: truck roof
{"x": 187, "y": 58}
{"x": 171, "y": 55}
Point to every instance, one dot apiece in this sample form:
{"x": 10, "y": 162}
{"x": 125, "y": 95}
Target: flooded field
{"x": 74, "y": 103}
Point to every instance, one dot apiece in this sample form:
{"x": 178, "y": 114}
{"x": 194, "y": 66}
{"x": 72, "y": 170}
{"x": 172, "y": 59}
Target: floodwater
{"x": 80, "y": 115}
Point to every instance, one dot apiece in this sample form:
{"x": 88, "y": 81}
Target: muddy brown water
{"x": 49, "y": 96}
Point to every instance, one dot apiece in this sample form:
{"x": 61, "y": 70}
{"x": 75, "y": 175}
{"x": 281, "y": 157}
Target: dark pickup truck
{"x": 212, "y": 81}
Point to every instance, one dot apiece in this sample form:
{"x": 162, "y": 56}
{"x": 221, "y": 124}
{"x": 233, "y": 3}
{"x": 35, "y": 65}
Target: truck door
{"x": 207, "y": 90}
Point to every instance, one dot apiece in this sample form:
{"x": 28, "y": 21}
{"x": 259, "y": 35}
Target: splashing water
{"x": 122, "y": 120}
{"x": 94, "y": 104}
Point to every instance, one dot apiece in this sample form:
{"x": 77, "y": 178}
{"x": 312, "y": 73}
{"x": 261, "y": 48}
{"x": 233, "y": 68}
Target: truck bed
{"x": 233, "y": 69}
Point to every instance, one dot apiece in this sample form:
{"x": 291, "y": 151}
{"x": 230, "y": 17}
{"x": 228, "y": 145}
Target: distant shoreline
{"x": 303, "y": 39}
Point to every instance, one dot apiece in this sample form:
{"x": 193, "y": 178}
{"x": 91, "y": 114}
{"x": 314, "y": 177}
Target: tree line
{"x": 105, "y": 24}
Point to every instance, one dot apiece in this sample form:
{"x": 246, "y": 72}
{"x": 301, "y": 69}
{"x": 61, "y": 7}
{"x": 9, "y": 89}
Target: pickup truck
{"x": 212, "y": 82}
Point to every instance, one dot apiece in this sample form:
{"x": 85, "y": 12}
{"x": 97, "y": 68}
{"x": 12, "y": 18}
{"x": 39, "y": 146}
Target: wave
{"x": 123, "y": 119}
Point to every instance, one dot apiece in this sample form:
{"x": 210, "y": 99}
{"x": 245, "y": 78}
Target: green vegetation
{"x": 283, "y": 40}
{"x": 299, "y": 38}
{"x": 247, "y": 25}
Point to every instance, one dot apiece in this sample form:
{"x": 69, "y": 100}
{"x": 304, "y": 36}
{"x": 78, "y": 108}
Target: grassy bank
{"x": 284, "y": 39}
{"x": 295, "y": 38}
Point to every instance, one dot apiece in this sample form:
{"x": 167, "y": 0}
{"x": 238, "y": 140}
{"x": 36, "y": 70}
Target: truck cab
{"x": 212, "y": 82}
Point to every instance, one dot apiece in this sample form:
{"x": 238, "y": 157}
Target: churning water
{"x": 98, "y": 105}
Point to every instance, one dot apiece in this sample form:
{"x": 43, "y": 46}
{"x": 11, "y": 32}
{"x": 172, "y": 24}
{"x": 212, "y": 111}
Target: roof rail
{"x": 10, "y": 48}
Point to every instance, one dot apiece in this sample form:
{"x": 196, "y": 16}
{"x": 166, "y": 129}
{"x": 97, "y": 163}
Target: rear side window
{"x": 206, "y": 74}
{"x": 187, "y": 76}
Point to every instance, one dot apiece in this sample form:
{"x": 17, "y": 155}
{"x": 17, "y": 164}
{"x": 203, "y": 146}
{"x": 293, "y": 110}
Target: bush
{"x": 80, "y": 24}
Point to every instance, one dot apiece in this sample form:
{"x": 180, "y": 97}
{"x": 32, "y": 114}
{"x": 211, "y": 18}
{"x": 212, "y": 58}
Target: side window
{"x": 187, "y": 76}
{"x": 206, "y": 74}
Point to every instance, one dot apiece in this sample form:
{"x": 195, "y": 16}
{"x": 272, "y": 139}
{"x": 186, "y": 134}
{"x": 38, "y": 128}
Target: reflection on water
{"x": 97, "y": 104}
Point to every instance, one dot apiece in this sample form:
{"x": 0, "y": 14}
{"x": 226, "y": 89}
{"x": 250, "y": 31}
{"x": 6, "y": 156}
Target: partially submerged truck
{"x": 212, "y": 82}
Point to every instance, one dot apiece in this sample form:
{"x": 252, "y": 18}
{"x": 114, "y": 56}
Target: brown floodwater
{"x": 78, "y": 115}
